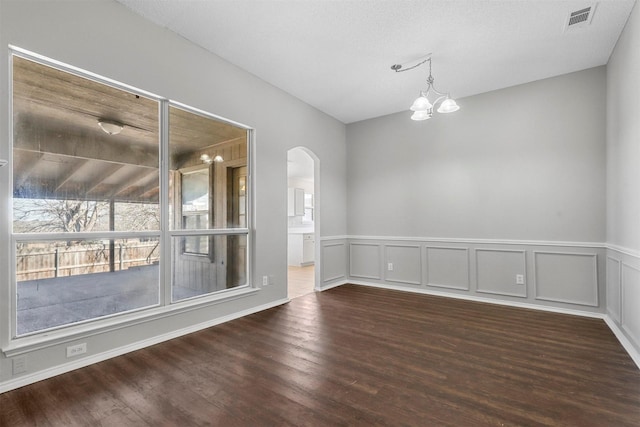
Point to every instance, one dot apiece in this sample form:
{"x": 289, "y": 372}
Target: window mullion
{"x": 165, "y": 240}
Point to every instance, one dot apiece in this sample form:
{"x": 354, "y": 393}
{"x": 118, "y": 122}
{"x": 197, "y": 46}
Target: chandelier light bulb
{"x": 421, "y": 104}
{"x": 448, "y": 106}
{"x": 421, "y": 115}
{"x": 423, "y": 108}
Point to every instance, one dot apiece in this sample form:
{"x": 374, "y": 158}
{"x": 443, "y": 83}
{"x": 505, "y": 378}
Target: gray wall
{"x": 512, "y": 184}
{"x": 106, "y": 38}
{"x": 526, "y": 162}
{"x": 623, "y": 181}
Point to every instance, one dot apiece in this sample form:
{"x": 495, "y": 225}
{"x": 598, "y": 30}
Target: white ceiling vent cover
{"x": 580, "y": 18}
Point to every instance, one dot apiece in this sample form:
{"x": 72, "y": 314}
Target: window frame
{"x": 55, "y": 335}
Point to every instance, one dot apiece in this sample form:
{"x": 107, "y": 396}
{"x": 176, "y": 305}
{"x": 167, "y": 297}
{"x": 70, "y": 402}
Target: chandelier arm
{"x": 437, "y": 92}
{"x": 398, "y": 68}
{"x": 419, "y": 106}
{"x": 442, "y": 97}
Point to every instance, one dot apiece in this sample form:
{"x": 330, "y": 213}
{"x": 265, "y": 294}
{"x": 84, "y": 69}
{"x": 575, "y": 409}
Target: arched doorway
{"x": 303, "y": 222}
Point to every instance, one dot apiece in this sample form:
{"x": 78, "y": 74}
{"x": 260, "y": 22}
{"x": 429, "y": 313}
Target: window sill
{"x": 28, "y": 344}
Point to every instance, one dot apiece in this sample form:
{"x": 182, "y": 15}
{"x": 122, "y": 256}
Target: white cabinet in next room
{"x": 301, "y": 249}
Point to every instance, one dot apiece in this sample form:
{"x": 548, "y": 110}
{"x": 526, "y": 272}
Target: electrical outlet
{"x": 390, "y": 266}
{"x": 19, "y": 365}
{"x": 265, "y": 280}
{"x": 519, "y": 279}
{"x": 75, "y": 350}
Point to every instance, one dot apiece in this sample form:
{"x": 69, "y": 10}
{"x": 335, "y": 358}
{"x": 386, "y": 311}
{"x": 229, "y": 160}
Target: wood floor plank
{"x": 356, "y": 356}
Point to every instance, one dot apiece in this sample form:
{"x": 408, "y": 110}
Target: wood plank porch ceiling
{"x": 60, "y": 152}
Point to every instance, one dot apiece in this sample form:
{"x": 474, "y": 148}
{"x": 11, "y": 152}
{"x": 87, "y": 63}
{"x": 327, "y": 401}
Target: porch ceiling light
{"x": 110, "y": 127}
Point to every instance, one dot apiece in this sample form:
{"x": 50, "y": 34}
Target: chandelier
{"x": 422, "y": 107}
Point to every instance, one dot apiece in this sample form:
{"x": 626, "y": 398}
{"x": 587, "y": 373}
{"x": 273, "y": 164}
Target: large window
{"x": 208, "y": 229}
{"x": 98, "y": 216}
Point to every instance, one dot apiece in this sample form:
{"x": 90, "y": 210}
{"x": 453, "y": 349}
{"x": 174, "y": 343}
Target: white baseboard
{"x": 333, "y": 285}
{"x": 475, "y": 298}
{"x": 90, "y": 360}
{"x": 626, "y": 343}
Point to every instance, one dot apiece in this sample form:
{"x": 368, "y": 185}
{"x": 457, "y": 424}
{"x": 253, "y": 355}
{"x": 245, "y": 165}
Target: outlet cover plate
{"x": 19, "y": 365}
{"x": 75, "y": 350}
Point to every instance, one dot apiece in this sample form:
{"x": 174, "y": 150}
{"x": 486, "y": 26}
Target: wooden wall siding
{"x": 196, "y": 273}
{"x": 447, "y": 267}
{"x": 554, "y": 275}
{"x": 566, "y": 277}
{"x": 334, "y": 261}
{"x": 200, "y": 273}
{"x": 406, "y": 261}
{"x": 355, "y": 356}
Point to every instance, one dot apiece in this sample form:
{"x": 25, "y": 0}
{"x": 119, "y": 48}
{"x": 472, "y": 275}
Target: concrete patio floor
{"x": 47, "y": 303}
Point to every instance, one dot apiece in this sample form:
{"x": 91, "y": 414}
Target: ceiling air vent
{"x": 580, "y": 18}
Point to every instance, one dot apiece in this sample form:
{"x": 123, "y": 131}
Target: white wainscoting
{"x": 614, "y": 286}
{"x": 630, "y": 315}
{"x": 561, "y": 275}
{"x": 448, "y": 267}
{"x": 496, "y": 271}
{"x": 333, "y": 262}
{"x": 365, "y": 260}
{"x": 566, "y": 277}
{"x": 623, "y": 297}
{"x": 405, "y": 262}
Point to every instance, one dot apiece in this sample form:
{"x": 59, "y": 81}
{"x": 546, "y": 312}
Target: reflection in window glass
{"x": 63, "y": 282}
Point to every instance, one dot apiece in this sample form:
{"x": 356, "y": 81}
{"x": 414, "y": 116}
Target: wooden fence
{"x": 35, "y": 262}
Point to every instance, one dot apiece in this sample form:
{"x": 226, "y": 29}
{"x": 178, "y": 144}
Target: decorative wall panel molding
{"x": 496, "y": 271}
{"x": 566, "y": 277}
{"x": 406, "y": 263}
{"x": 614, "y": 286}
{"x": 365, "y": 260}
{"x": 630, "y": 315}
{"x": 334, "y": 263}
{"x": 626, "y": 251}
{"x": 447, "y": 267}
{"x": 492, "y": 270}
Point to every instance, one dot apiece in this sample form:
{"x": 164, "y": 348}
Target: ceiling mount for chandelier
{"x": 422, "y": 107}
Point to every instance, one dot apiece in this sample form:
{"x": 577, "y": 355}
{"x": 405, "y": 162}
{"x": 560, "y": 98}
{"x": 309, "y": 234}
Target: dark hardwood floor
{"x": 356, "y": 356}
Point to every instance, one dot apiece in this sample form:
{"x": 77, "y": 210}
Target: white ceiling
{"x": 336, "y": 54}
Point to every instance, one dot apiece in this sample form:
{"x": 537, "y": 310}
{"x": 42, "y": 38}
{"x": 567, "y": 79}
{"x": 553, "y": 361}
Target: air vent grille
{"x": 580, "y": 18}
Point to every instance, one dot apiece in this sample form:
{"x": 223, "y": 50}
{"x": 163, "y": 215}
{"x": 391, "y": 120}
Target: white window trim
{"x": 165, "y": 308}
